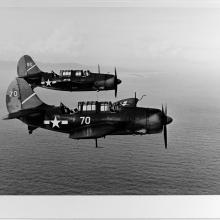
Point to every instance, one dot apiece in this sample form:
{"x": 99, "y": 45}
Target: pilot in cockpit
{"x": 85, "y": 73}
{"x": 53, "y": 74}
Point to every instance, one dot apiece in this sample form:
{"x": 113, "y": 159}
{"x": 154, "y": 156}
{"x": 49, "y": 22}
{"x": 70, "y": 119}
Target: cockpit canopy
{"x": 95, "y": 106}
{"x": 65, "y": 73}
{"x": 82, "y": 73}
{"x": 75, "y": 73}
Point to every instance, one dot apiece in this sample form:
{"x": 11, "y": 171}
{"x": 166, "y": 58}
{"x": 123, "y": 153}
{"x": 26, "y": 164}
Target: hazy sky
{"x": 168, "y": 38}
{"x": 113, "y": 36}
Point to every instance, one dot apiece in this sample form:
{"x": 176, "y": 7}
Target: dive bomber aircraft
{"x": 91, "y": 120}
{"x": 67, "y": 80}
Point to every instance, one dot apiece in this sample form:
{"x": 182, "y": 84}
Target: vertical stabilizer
{"x": 27, "y": 67}
{"x": 20, "y": 96}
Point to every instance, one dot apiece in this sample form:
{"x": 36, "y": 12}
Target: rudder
{"x": 27, "y": 67}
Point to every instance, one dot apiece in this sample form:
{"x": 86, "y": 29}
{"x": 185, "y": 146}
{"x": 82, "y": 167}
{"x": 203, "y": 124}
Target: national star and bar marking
{"x": 48, "y": 82}
{"x": 56, "y": 122}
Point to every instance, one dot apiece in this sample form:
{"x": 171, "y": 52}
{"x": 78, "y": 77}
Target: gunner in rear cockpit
{"x": 64, "y": 109}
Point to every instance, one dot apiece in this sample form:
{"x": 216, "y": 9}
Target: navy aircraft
{"x": 91, "y": 120}
{"x": 67, "y": 80}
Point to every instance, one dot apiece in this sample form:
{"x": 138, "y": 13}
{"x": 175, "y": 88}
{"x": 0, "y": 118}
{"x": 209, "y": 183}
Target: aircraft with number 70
{"x": 90, "y": 120}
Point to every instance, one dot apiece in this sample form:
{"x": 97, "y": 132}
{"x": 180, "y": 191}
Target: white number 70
{"x": 13, "y": 93}
{"x": 85, "y": 120}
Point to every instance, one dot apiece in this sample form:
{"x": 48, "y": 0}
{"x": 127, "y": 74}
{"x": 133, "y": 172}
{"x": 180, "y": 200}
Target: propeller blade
{"x": 116, "y": 75}
{"x": 164, "y": 121}
{"x": 116, "y": 83}
{"x": 98, "y": 69}
{"x": 116, "y": 91}
{"x": 135, "y": 98}
{"x": 165, "y": 135}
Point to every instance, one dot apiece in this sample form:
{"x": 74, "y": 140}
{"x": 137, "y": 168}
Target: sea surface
{"x": 49, "y": 163}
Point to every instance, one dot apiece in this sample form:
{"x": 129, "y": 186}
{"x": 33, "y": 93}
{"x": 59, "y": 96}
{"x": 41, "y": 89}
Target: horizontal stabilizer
{"x": 23, "y": 113}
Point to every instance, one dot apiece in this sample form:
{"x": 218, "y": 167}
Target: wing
{"x": 93, "y": 131}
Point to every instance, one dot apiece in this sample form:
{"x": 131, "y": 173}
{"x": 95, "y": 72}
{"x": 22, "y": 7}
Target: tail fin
{"x": 27, "y": 67}
{"x": 20, "y": 96}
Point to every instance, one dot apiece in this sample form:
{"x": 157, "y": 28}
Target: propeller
{"x": 116, "y": 83}
{"x": 165, "y": 120}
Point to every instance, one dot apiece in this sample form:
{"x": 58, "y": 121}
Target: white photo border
{"x": 31, "y": 207}
{"x": 26, "y": 207}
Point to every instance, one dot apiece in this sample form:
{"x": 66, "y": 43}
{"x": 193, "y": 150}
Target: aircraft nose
{"x": 169, "y": 120}
{"x": 118, "y": 81}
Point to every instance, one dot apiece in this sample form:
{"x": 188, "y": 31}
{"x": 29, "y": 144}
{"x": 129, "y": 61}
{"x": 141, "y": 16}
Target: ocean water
{"x": 49, "y": 163}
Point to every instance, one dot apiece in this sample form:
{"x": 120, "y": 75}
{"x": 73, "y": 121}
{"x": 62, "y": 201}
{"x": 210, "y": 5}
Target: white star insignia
{"x": 55, "y": 122}
{"x": 48, "y": 82}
